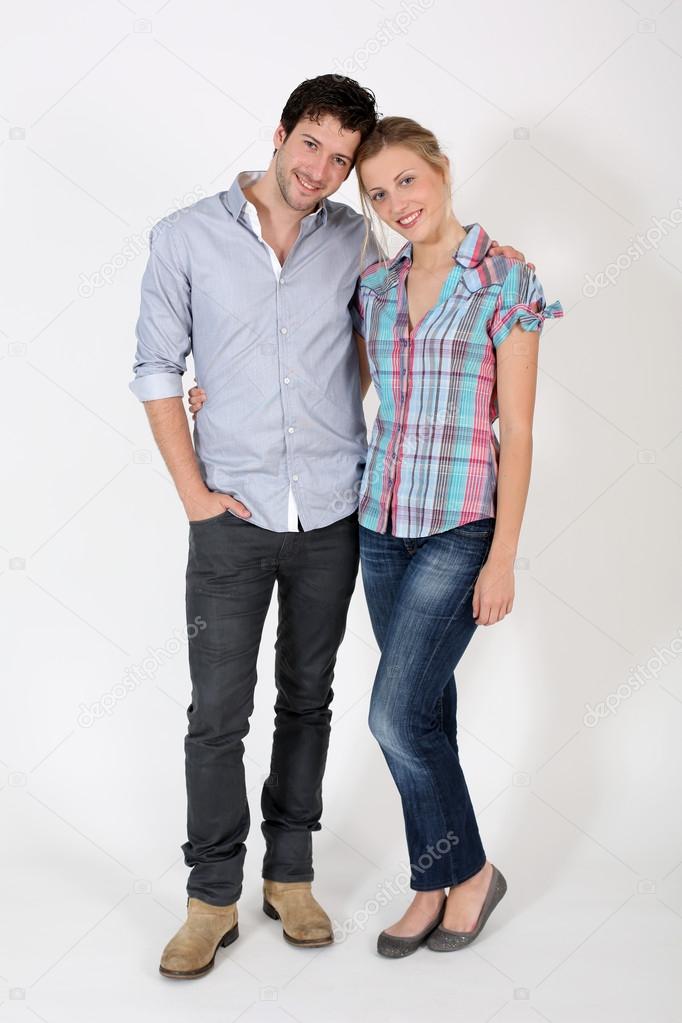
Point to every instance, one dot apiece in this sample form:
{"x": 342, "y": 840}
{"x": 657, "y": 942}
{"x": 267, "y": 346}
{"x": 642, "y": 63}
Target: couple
{"x": 290, "y": 309}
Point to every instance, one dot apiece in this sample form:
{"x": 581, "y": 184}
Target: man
{"x": 256, "y": 282}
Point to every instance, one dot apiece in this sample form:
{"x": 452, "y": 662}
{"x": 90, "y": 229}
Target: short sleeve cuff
{"x": 157, "y": 385}
{"x": 530, "y": 317}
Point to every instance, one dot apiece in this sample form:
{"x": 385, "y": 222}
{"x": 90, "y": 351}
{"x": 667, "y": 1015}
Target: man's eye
{"x": 308, "y": 142}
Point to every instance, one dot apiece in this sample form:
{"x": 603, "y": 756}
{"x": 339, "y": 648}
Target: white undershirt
{"x": 247, "y": 178}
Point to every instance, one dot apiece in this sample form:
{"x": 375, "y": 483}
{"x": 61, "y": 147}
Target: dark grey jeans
{"x": 231, "y": 571}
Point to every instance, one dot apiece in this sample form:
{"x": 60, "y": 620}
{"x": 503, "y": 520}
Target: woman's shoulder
{"x": 374, "y": 276}
{"x": 490, "y": 272}
{"x": 383, "y": 273}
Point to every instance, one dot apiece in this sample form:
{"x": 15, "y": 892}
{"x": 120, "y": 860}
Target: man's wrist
{"x": 193, "y": 492}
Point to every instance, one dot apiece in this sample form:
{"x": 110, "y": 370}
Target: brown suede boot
{"x": 304, "y": 922}
{"x": 190, "y": 953}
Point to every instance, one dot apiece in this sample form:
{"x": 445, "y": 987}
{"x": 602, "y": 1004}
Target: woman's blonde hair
{"x": 396, "y": 131}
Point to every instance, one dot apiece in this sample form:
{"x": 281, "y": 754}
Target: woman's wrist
{"x": 502, "y": 553}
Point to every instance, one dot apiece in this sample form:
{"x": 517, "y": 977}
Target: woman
{"x": 452, "y": 341}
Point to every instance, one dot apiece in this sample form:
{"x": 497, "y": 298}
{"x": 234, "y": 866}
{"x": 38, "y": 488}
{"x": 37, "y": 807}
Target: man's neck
{"x": 266, "y": 196}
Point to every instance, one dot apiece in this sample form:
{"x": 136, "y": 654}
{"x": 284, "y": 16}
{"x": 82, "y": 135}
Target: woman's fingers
{"x": 196, "y": 399}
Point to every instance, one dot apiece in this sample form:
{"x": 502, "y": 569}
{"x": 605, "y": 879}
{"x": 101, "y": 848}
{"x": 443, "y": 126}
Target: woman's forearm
{"x": 516, "y": 452}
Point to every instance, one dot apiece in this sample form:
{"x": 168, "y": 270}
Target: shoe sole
{"x": 270, "y": 911}
{"x": 226, "y": 940}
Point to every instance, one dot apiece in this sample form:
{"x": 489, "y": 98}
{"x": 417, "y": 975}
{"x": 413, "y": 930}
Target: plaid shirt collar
{"x": 469, "y": 254}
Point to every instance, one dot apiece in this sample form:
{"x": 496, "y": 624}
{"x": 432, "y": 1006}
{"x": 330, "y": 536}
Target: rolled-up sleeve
{"x": 164, "y": 326}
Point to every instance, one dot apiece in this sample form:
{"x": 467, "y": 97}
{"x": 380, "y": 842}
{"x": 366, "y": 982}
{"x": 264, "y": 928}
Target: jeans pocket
{"x": 207, "y": 522}
{"x": 479, "y": 527}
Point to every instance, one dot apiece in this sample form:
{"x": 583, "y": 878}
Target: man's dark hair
{"x": 343, "y": 98}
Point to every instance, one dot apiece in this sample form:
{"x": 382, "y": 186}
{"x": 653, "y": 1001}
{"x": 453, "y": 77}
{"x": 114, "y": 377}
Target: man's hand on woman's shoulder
{"x": 507, "y": 250}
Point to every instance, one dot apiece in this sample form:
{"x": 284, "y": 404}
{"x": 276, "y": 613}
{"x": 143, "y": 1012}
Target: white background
{"x": 562, "y": 124}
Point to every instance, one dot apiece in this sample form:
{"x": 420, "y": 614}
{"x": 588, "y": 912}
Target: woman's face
{"x": 406, "y": 192}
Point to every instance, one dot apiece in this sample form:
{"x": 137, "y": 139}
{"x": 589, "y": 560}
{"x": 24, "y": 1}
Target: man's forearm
{"x": 171, "y": 432}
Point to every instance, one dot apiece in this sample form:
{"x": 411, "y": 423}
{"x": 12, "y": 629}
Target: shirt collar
{"x": 470, "y": 252}
{"x": 235, "y": 200}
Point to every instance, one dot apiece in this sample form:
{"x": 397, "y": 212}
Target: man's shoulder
{"x": 340, "y": 213}
{"x": 190, "y": 216}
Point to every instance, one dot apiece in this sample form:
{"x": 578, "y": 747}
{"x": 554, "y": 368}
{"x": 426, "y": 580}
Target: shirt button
{"x": 283, "y": 330}
{"x": 291, "y": 429}
{"x": 295, "y": 478}
{"x": 286, "y": 380}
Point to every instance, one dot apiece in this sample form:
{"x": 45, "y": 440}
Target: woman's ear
{"x": 447, "y": 175}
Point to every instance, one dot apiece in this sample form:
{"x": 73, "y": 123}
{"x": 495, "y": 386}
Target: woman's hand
{"x": 195, "y": 399}
{"x": 494, "y": 591}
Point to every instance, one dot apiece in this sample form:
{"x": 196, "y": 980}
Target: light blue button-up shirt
{"x": 276, "y": 358}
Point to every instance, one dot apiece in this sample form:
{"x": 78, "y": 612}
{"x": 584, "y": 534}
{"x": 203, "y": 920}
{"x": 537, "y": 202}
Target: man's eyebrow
{"x": 317, "y": 142}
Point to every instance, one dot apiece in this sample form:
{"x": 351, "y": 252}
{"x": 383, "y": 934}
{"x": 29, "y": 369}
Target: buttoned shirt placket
{"x": 396, "y": 450}
{"x": 252, "y": 213}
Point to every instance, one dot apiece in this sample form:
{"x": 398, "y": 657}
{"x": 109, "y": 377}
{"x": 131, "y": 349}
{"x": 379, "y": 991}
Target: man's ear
{"x": 279, "y": 137}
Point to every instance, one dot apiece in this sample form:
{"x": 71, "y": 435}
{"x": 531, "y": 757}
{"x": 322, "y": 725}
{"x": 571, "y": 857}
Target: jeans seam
{"x": 427, "y": 666}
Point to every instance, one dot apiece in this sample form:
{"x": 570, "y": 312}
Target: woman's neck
{"x": 437, "y": 251}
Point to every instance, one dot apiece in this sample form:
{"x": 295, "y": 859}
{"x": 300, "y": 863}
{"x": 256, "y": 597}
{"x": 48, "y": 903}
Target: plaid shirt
{"x": 433, "y": 452}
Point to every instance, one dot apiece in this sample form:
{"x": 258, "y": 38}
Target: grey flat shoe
{"x": 394, "y": 947}
{"x": 444, "y": 940}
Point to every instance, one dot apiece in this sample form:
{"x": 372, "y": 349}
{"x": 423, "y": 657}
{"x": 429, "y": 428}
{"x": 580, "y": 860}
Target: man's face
{"x": 313, "y": 160}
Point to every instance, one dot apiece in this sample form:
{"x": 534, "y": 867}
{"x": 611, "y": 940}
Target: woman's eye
{"x": 377, "y": 197}
{"x": 408, "y": 178}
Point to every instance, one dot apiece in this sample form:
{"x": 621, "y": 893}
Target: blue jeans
{"x": 419, "y": 595}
